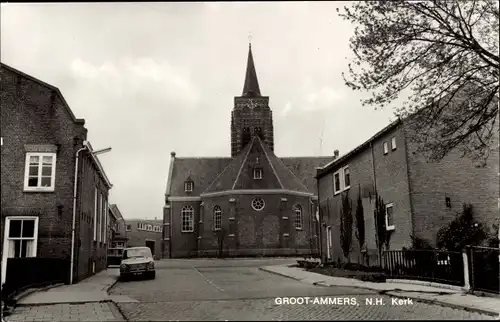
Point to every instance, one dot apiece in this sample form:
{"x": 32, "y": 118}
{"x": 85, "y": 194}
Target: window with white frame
{"x": 95, "y": 214}
{"x": 150, "y": 227}
{"x": 393, "y": 143}
{"x": 347, "y": 178}
{"x": 40, "y": 172}
{"x": 389, "y": 217}
{"x": 22, "y": 236}
{"x": 217, "y": 218}
{"x": 298, "y": 217}
{"x": 188, "y": 186}
{"x": 257, "y": 173}
{"x": 386, "y": 148}
{"x": 336, "y": 182}
{"x": 187, "y": 218}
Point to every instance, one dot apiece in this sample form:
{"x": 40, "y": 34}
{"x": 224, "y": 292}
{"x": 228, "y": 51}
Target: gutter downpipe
{"x": 320, "y": 223}
{"x": 75, "y": 187}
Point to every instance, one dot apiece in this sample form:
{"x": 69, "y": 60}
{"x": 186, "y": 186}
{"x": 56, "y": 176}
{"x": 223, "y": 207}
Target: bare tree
{"x": 444, "y": 55}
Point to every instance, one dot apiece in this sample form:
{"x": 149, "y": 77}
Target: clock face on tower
{"x": 251, "y": 105}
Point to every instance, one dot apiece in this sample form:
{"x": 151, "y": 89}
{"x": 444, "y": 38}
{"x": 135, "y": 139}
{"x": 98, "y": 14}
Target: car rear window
{"x": 138, "y": 252}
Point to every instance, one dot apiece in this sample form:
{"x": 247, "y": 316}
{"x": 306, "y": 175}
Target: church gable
{"x": 257, "y": 171}
{"x": 225, "y": 180}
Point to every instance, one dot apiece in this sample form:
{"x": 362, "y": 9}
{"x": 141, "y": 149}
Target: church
{"x": 250, "y": 204}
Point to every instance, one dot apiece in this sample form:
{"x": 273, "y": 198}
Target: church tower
{"x": 251, "y": 114}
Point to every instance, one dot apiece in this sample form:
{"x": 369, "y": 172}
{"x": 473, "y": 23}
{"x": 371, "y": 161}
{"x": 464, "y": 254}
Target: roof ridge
{"x": 221, "y": 173}
{"x": 243, "y": 162}
{"x": 271, "y": 164}
{"x": 297, "y": 180}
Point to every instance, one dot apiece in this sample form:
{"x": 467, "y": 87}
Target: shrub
{"x": 461, "y": 232}
{"x": 346, "y": 225}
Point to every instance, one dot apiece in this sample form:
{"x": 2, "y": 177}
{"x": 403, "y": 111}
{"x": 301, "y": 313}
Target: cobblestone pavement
{"x": 238, "y": 290}
{"x": 64, "y": 312}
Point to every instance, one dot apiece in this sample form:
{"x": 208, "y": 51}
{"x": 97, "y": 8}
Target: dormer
{"x": 188, "y": 184}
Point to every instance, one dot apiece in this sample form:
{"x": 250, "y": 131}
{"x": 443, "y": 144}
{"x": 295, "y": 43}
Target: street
{"x": 235, "y": 289}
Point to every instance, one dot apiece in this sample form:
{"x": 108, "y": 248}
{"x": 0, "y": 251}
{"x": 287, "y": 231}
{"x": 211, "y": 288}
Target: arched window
{"x": 298, "y": 216}
{"x": 187, "y": 219}
{"x": 217, "y": 218}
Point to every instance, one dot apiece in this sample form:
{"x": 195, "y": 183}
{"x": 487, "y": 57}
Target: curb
{"x": 393, "y": 293}
{"x": 69, "y": 303}
{"x": 31, "y": 291}
{"x": 112, "y": 285}
{"x": 279, "y": 274}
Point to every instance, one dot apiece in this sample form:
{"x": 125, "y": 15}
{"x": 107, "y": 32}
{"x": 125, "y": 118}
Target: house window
{"x": 40, "y": 172}
{"x": 95, "y": 214}
{"x": 336, "y": 182}
{"x": 257, "y": 174}
{"x": 22, "y": 237}
{"x": 386, "y": 148}
{"x": 120, "y": 245}
{"x": 258, "y": 204}
{"x": 217, "y": 218}
{"x": 389, "y": 217}
{"x": 150, "y": 227}
{"x": 187, "y": 219}
{"x": 347, "y": 178}
{"x": 188, "y": 186}
{"x": 298, "y": 217}
{"x": 448, "y": 202}
{"x": 393, "y": 143}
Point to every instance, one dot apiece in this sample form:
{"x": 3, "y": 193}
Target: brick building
{"x": 420, "y": 197}
{"x": 40, "y": 139}
{"x": 252, "y": 203}
{"x": 145, "y": 232}
{"x": 117, "y": 235}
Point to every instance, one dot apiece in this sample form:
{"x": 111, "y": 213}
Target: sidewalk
{"x": 87, "y": 300}
{"x": 443, "y": 296}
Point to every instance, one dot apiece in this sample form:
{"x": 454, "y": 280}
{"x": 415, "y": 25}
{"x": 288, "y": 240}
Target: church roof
{"x": 238, "y": 175}
{"x": 204, "y": 171}
{"x": 251, "y": 87}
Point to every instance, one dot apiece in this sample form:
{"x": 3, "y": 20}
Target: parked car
{"x": 137, "y": 261}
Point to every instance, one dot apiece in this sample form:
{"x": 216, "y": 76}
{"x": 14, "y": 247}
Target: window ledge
{"x": 285, "y": 218}
{"x": 166, "y": 238}
{"x": 187, "y": 231}
{"x": 231, "y": 235}
{"x": 166, "y": 224}
{"x": 231, "y": 218}
{"x": 286, "y": 235}
{"x": 299, "y": 229}
{"x": 39, "y": 189}
{"x": 336, "y": 193}
{"x": 391, "y": 227}
{"x": 347, "y": 188}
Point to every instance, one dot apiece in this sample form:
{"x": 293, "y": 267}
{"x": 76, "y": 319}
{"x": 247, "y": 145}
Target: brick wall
{"x": 34, "y": 116}
{"x": 245, "y": 232}
{"x": 137, "y": 237}
{"x": 386, "y": 172}
{"x": 459, "y": 180}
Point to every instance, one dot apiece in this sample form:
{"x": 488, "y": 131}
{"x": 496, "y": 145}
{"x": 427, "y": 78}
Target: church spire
{"x": 251, "y": 87}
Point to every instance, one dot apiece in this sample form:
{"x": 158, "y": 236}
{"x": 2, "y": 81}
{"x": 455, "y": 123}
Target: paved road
{"x": 238, "y": 290}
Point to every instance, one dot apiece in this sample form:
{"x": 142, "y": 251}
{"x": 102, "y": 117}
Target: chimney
{"x": 335, "y": 154}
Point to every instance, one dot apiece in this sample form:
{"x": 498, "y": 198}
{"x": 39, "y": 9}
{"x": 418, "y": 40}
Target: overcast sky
{"x": 151, "y": 78}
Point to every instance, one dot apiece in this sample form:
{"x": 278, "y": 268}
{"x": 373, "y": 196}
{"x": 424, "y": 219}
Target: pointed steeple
{"x": 251, "y": 87}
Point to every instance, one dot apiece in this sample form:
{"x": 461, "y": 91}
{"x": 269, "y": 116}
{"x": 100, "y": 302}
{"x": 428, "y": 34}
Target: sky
{"x": 151, "y": 78}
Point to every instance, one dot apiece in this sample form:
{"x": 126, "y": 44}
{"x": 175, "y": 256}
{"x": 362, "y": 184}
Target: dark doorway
{"x": 151, "y": 245}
